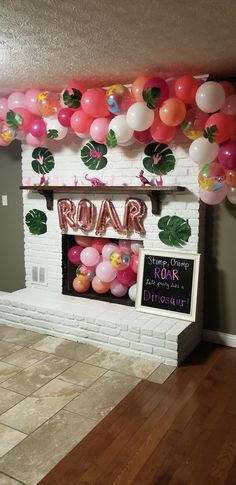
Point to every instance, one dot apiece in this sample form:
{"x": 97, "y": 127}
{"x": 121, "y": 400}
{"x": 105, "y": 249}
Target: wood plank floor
{"x": 182, "y": 432}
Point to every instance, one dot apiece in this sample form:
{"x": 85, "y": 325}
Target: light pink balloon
{"x": 229, "y": 106}
{"x": 108, "y": 249}
{"x": 135, "y": 246}
{"x": 31, "y": 100}
{"x": 99, "y": 129}
{"x": 117, "y": 289}
{"x": 3, "y": 108}
{"x": 213, "y": 197}
{"x": 106, "y": 272}
{"x": 34, "y": 141}
{"x": 125, "y": 246}
{"x": 16, "y": 100}
{"x": 90, "y": 256}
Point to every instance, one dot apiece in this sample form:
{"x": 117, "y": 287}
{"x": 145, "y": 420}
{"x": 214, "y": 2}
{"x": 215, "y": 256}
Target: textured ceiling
{"x": 47, "y": 43}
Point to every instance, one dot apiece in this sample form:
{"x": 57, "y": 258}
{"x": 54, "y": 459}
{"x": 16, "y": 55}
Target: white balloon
{"x": 202, "y": 151}
{"x": 210, "y": 96}
{"x": 122, "y": 130}
{"x": 231, "y": 195}
{"x": 127, "y": 143}
{"x": 139, "y": 117}
{"x": 132, "y": 292}
{"x": 82, "y": 135}
{"x": 53, "y": 124}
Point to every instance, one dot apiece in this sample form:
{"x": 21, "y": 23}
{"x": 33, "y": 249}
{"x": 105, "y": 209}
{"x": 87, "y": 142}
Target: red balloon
{"x": 161, "y": 132}
{"x": 228, "y": 87}
{"x": 74, "y": 254}
{"x": 64, "y": 116}
{"x": 127, "y": 276}
{"x": 27, "y": 118}
{"x": 227, "y": 155}
{"x": 186, "y": 88}
{"x": 94, "y": 103}
{"x": 158, "y": 82}
{"x": 80, "y": 121}
{"x": 143, "y": 136}
{"x": 76, "y": 85}
{"x": 224, "y": 125}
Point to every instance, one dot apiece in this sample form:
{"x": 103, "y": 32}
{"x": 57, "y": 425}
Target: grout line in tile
{"x": 82, "y": 415}
{"x": 13, "y": 478}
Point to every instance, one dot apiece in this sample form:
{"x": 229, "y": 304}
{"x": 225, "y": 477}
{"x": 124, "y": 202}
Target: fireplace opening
{"x": 100, "y": 268}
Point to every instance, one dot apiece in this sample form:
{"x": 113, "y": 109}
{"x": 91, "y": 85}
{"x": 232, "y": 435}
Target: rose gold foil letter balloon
{"x": 86, "y": 215}
{"x": 135, "y": 211}
{"x": 66, "y": 213}
{"x": 108, "y": 217}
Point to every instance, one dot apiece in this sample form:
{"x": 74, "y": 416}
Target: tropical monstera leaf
{"x": 72, "y": 100}
{"x": 174, "y": 231}
{"x": 151, "y": 96}
{"x": 160, "y": 158}
{"x": 111, "y": 139}
{"x": 36, "y": 221}
{"x": 13, "y": 119}
{"x": 43, "y": 160}
{"x": 92, "y": 154}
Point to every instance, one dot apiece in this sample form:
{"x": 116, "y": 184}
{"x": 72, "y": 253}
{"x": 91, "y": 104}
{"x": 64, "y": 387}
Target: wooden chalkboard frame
{"x": 195, "y": 257}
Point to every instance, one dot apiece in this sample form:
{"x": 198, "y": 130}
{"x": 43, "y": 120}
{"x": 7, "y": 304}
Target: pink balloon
{"x": 106, "y": 272}
{"x": 229, "y": 106}
{"x": 31, "y": 102}
{"x": 125, "y": 246}
{"x": 4, "y": 143}
{"x": 80, "y": 121}
{"x": 135, "y": 246}
{"x": 161, "y": 132}
{"x": 171, "y": 85}
{"x": 74, "y": 254}
{"x": 64, "y": 116}
{"x": 94, "y": 103}
{"x": 34, "y": 141}
{"x": 99, "y": 242}
{"x": 99, "y": 129}
{"x": 143, "y": 136}
{"x": 213, "y": 197}
{"x": 37, "y": 128}
{"x": 3, "y": 108}
{"x": 227, "y": 155}
{"x": 83, "y": 241}
{"x": 90, "y": 256}
{"x": 108, "y": 249}
{"x": 134, "y": 263}
{"x": 127, "y": 277}
{"x": 16, "y": 100}
{"x": 27, "y": 118}
{"x": 117, "y": 289}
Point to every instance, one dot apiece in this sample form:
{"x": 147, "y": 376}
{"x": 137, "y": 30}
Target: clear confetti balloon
{"x": 212, "y": 177}
{"x": 194, "y": 123}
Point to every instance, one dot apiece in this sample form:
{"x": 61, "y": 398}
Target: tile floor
{"x": 52, "y": 393}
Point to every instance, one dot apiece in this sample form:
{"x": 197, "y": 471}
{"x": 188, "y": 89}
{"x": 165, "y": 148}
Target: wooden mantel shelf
{"x": 153, "y": 192}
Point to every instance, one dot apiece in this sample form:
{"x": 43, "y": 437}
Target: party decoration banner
{"x": 167, "y": 283}
{"x": 174, "y": 231}
{"x": 36, "y": 221}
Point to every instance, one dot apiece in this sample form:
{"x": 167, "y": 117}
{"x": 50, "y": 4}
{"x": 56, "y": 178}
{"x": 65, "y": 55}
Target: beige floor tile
{"x": 65, "y": 348}
{"x": 161, "y": 373}
{"x": 34, "y": 377}
{"x": 9, "y": 438}
{"x": 133, "y": 366}
{"x": 7, "y": 371}
{"x": 102, "y": 397}
{"x": 40, "y": 406}
{"x": 19, "y": 336}
{"x": 82, "y": 374}
{"x": 8, "y": 399}
{"x": 25, "y": 357}
{"x": 5, "y": 480}
{"x": 7, "y": 348}
{"x": 39, "y": 452}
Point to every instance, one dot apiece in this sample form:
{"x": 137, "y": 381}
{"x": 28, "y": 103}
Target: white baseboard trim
{"x": 219, "y": 338}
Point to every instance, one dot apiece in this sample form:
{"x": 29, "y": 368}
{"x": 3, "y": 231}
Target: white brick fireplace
{"x": 43, "y": 308}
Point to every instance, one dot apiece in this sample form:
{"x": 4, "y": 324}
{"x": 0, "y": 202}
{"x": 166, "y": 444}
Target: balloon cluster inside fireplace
{"x": 105, "y": 266}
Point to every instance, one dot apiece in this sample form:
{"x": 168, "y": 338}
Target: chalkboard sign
{"x": 167, "y": 283}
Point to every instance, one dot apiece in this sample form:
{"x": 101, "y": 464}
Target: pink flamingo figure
{"x": 143, "y": 180}
{"x": 159, "y": 182}
{"x": 43, "y": 181}
{"x": 76, "y": 181}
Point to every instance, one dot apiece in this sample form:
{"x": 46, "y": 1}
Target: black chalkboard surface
{"x": 167, "y": 283}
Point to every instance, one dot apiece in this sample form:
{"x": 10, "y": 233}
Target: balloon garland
{"x": 150, "y": 111}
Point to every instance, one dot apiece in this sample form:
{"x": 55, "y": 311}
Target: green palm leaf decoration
{"x": 92, "y": 154}
{"x": 211, "y": 133}
{"x": 159, "y": 159}
{"x": 151, "y": 96}
{"x": 72, "y": 100}
{"x": 43, "y": 160}
{"x": 52, "y": 134}
{"x": 111, "y": 139}
{"x": 174, "y": 231}
{"x": 14, "y": 120}
{"x": 36, "y": 221}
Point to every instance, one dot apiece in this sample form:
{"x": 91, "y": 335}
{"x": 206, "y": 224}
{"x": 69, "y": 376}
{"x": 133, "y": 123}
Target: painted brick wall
{"x": 123, "y": 166}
